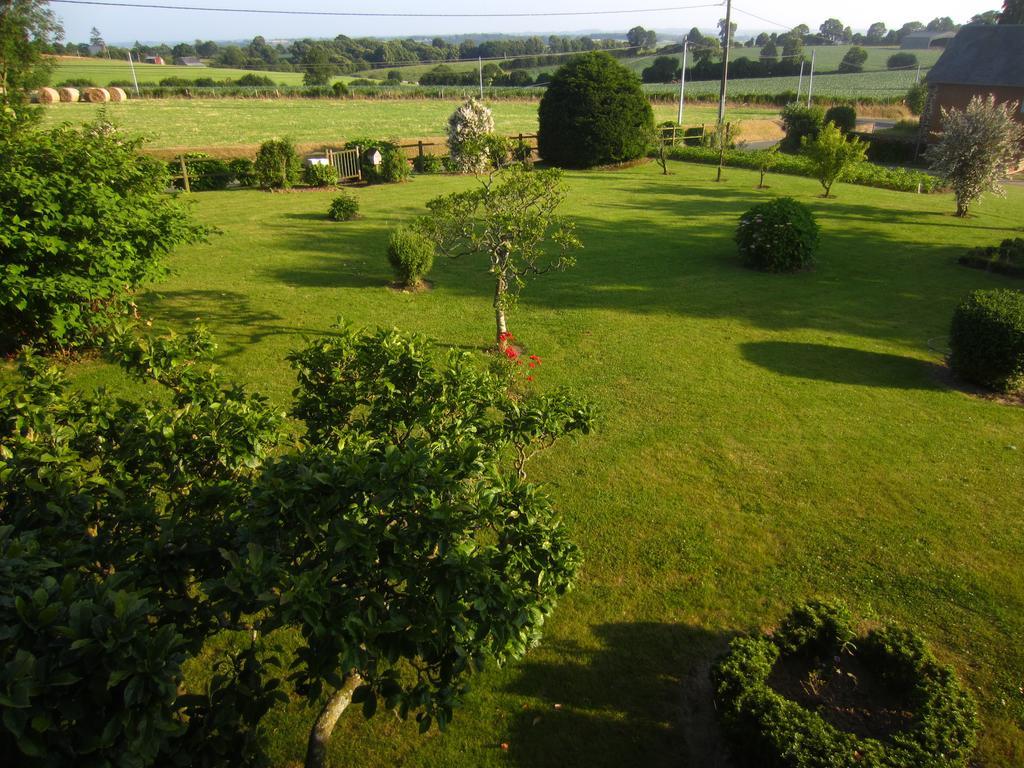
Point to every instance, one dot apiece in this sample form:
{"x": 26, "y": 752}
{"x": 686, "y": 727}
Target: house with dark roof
{"x": 923, "y": 40}
{"x": 980, "y": 61}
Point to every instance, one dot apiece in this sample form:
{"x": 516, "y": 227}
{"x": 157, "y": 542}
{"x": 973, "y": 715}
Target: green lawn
{"x": 213, "y": 123}
{"x": 763, "y": 439}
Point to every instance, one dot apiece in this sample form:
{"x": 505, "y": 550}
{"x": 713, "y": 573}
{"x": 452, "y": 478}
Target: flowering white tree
{"x": 467, "y": 128}
{"x": 980, "y": 146}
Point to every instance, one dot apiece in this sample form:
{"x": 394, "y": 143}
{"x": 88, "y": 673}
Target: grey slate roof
{"x": 983, "y": 55}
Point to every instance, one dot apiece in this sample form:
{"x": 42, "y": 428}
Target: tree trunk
{"x": 499, "y": 312}
{"x": 320, "y": 736}
{"x": 961, "y": 209}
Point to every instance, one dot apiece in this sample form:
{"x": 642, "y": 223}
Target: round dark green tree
{"x": 594, "y": 113}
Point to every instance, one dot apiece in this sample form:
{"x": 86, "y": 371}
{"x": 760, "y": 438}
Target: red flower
{"x": 533, "y": 365}
{"x": 511, "y": 353}
{"x": 529, "y": 378}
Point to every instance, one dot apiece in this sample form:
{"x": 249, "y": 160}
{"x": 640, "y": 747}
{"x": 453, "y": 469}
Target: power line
{"x": 380, "y": 14}
{"x": 762, "y": 18}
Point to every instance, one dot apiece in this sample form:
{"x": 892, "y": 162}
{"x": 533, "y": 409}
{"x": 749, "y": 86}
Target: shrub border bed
{"x": 780, "y": 733}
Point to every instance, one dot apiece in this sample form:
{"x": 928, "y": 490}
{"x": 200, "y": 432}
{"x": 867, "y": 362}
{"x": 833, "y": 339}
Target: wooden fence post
{"x": 184, "y": 172}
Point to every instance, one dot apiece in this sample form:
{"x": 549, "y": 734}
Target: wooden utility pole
{"x": 725, "y": 61}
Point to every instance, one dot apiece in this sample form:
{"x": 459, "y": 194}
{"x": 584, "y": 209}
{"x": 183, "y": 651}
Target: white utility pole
{"x": 725, "y": 61}
{"x": 480, "y": 62}
{"x": 810, "y": 83}
{"x": 134, "y": 78}
{"x": 800, "y": 83}
{"x": 682, "y": 81}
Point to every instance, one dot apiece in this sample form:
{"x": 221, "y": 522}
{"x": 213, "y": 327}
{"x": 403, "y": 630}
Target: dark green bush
{"x": 775, "y": 732}
{"x": 853, "y": 61}
{"x": 799, "y": 121}
{"x": 411, "y": 256}
{"x": 84, "y": 221}
{"x": 780, "y": 236}
{"x": 594, "y": 112}
{"x": 339, "y": 89}
{"x": 344, "y": 207}
{"x": 244, "y": 171}
{"x": 76, "y": 82}
{"x": 255, "y": 81}
{"x": 844, "y": 118}
{"x": 317, "y": 175}
{"x": 277, "y": 164}
{"x": 1007, "y": 258}
{"x": 901, "y": 61}
{"x": 428, "y": 164}
{"x": 987, "y": 340}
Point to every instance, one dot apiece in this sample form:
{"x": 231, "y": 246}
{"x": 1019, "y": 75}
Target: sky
{"x": 119, "y": 25}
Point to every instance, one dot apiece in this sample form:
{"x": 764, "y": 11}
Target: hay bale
{"x": 117, "y": 94}
{"x": 69, "y": 95}
{"x": 47, "y": 96}
{"x": 96, "y": 95}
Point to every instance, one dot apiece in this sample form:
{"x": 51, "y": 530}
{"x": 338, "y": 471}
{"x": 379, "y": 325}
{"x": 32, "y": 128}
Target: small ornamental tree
{"x": 594, "y": 112}
{"x": 510, "y": 219}
{"x": 979, "y": 147}
{"x": 85, "y": 220}
{"x": 399, "y": 538}
{"x": 468, "y": 127}
{"x": 832, "y": 155}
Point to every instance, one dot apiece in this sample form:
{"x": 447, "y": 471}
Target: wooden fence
{"x": 347, "y": 163}
{"x": 421, "y": 147}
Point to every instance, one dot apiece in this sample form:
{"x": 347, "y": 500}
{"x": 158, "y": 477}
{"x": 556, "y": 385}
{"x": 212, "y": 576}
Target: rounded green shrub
{"x": 411, "y": 255}
{"x": 780, "y": 236}
{"x": 344, "y": 207}
{"x": 277, "y": 164}
{"x": 799, "y": 121}
{"x": 594, "y": 112}
{"x": 917, "y": 98}
{"x": 987, "y": 340}
{"x": 320, "y": 175}
{"x": 778, "y": 732}
{"x": 205, "y": 173}
{"x": 844, "y": 118}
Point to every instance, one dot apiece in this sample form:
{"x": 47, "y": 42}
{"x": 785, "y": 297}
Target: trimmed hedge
{"x": 987, "y": 340}
{"x": 344, "y": 207}
{"x": 844, "y": 118}
{"x": 411, "y": 255}
{"x": 780, "y": 236}
{"x": 1006, "y": 259}
{"x": 865, "y": 174}
{"x": 776, "y": 732}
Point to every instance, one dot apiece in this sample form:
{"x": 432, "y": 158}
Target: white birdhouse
{"x": 375, "y": 157}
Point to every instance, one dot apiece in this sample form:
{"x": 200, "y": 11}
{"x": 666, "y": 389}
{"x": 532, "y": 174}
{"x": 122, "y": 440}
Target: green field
{"x": 866, "y": 85}
{"x": 226, "y": 123}
{"x": 763, "y": 439}
{"x": 102, "y": 72}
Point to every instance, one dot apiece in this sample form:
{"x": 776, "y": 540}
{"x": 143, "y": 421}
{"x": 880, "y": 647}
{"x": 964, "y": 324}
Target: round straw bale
{"x": 68, "y": 94}
{"x": 117, "y": 94}
{"x": 96, "y": 95}
{"x": 47, "y": 95}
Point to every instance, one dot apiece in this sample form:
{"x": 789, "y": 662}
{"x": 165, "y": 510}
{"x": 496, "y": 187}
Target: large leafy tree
{"x": 511, "y": 220}
{"x": 399, "y": 537}
{"x": 1013, "y": 12}
{"x": 27, "y": 29}
{"x": 84, "y": 221}
{"x": 978, "y": 149}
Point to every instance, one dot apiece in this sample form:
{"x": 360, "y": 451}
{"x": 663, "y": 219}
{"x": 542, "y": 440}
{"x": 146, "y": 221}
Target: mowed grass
{"x": 764, "y": 439}
{"x": 225, "y": 123}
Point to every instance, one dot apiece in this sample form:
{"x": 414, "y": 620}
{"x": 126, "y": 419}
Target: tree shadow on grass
{"x": 841, "y": 365}
{"x": 238, "y": 325}
{"x": 642, "y": 699}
